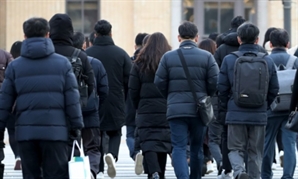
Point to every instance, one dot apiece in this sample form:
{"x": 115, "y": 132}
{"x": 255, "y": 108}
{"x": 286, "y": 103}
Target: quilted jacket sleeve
{"x": 212, "y": 76}
{"x": 161, "y": 77}
{"x": 7, "y": 96}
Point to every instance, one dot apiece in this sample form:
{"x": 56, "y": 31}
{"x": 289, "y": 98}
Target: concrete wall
{"x": 276, "y": 18}
{"x": 131, "y": 17}
{"x": 17, "y": 11}
{"x": 3, "y": 24}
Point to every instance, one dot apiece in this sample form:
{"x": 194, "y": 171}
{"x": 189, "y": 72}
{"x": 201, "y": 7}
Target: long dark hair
{"x": 208, "y": 45}
{"x": 150, "y": 55}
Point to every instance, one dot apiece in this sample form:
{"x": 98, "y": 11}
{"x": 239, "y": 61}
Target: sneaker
{"x": 101, "y": 175}
{"x": 110, "y": 161}
{"x": 210, "y": 168}
{"x": 139, "y": 164}
{"x": 225, "y": 176}
{"x": 18, "y": 164}
{"x": 274, "y": 167}
{"x": 242, "y": 175}
{"x": 281, "y": 158}
{"x": 155, "y": 175}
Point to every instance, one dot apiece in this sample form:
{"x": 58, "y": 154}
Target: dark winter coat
{"x": 117, "y": 64}
{"x": 44, "y": 88}
{"x": 153, "y": 128}
{"x": 172, "y": 82}
{"x": 240, "y": 115}
{"x": 98, "y": 96}
{"x": 5, "y": 59}
{"x": 229, "y": 44}
{"x": 130, "y": 112}
{"x": 61, "y": 33}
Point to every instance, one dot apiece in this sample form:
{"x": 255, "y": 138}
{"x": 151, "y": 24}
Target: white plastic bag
{"x": 79, "y": 167}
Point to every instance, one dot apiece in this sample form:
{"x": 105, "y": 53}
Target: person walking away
{"x": 277, "y": 119}
{"x": 213, "y": 135}
{"x": 91, "y": 135}
{"x": 171, "y": 80}
{"x": 112, "y": 113}
{"x": 247, "y": 102}
{"x": 47, "y": 115}
{"x": 15, "y": 51}
{"x": 151, "y": 106}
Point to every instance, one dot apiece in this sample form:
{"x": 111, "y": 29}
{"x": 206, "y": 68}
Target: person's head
{"x": 145, "y": 39}
{"x": 15, "y": 49}
{"x": 103, "y": 28}
{"x": 151, "y": 53}
{"x": 139, "y": 40}
{"x": 36, "y": 27}
{"x": 236, "y": 22}
{"x": 208, "y": 45}
{"x": 213, "y": 36}
{"x": 188, "y": 31}
{"x": 267, "y": 34}
{"x": 78, "y": 40}
{"x": 91, "y": 38}
{"x": 279, "y": 38}
{"x": 61, "y": 29}
{"x": 248, "y": 33}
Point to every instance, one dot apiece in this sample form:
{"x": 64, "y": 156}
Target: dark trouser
{"x": 250, "y": 139}
{"x": 103, "y": 149}
{"x": 114, "y": 142}
{"x": 214, "y": 143}
{"x": 11, "y": 134}
{"x": 226, "y": 165}
{"x": 155, "y": 162}
{"x": 44, "y": 159}
{"x": 180, "y": 128}
{"x": 274, "y": 125}
{"x": 91, "y": 144}
{"x": 130, "y": 141}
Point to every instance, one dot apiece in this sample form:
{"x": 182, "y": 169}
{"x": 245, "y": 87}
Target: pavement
{"x": 124, "y": 167}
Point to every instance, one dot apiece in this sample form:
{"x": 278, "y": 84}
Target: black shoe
{"x": 219, "y": 169}
{"x": 242, "y": 175}
{"x": 204, "y": 170}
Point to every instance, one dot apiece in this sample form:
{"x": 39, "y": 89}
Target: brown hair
{"x": 150, "y": 55}
{"x": 208, "y": 45}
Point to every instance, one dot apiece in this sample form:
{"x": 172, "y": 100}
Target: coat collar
{"x": 103, "y": 40}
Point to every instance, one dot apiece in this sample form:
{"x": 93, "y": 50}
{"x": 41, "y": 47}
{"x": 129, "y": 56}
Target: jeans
{"x": 274, "y": 125}
{"x": 214, "y": 134}
{"x": 180, "y": 128}
{"x": 130, "y": 141}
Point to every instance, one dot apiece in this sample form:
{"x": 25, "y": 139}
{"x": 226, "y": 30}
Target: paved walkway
{"x": 125, "y": 166}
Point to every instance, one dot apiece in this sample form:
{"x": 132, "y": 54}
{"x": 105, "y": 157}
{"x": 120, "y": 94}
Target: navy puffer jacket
{"x": 172, "y": 82}
{"x": 44, "y": 88}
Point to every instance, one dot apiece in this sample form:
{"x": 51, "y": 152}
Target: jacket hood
{"x": 231, "y": 39}
{"x": 61, "y": 29}
{"x": 37, "y": 47}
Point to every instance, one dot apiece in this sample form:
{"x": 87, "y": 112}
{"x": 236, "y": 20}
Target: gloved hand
{"x": 75, "y": 134}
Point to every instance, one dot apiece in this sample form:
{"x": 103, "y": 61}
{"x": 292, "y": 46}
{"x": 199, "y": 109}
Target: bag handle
{"x": 186, "y": 71}
{"x": 291, "y": 61}
{"x": 75, "y": 143}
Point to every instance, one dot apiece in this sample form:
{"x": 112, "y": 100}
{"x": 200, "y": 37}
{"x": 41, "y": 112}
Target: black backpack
{"x": 77, "y": 68}
{"x": 251, "y": 79}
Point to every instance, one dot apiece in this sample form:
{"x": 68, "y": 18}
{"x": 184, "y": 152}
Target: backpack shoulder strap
{"x": 75, "y": 55}
{"x": 291, "y": 61}
{"x": 261, "y": 54}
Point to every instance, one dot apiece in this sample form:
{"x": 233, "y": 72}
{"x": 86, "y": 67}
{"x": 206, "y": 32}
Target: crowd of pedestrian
{"x": 59, "y": 86}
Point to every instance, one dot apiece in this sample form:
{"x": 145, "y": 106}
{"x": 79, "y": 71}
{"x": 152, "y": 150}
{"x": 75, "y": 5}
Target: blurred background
{"x": 129, "y": 17}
